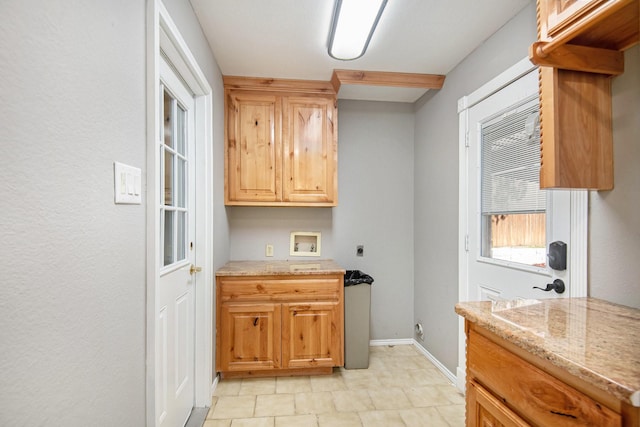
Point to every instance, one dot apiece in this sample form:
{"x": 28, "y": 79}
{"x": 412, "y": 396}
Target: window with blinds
{"x": 512, "y": 204}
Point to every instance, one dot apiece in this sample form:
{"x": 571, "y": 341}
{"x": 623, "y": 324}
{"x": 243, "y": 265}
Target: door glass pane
{"x": 168, "y": 119}
{"x": 181, "y": 130}
{"x": 181, "y": 182}
{"x": 168, "y": 178}
{"x": 516, "y": 237}
{"x": 182, "y": 236}
{"x": 168, "y": 237}
{"x": 512, "y": 204}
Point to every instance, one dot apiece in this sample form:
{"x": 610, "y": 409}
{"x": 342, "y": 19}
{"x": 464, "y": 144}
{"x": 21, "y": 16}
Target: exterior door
{"x": 175, "y": 304}
{"x": 510, "y": 221}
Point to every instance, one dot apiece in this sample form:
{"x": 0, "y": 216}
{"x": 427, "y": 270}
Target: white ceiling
{"x": 288, "y": 38}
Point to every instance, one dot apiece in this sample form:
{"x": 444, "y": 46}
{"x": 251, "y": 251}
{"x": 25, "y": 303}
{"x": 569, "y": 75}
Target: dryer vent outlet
{"x": 419, "y": 331}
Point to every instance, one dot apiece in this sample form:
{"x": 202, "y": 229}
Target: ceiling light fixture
{"x": 352, "y": 27}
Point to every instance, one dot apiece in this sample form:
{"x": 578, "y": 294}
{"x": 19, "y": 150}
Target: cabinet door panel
{"x": 487, "y": 411}
{"x": 253, "y": 138}
{"x": 311, "y": 335}
{"x": 249, "y": 337}
{"x": 309, "y": 150}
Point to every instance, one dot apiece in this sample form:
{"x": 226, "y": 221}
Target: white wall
{"x": 375, "y": 190}
{"x": 72, "y": 293}
{"x": 436, "y": 182}
{"x": 614, "y": 222}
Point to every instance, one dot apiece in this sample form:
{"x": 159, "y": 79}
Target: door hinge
{"x": 466, "y": 139}
{"x": 466, "y": 243}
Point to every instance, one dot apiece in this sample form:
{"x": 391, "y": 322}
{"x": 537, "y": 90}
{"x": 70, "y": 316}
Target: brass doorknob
{"x": 194, "y": 269}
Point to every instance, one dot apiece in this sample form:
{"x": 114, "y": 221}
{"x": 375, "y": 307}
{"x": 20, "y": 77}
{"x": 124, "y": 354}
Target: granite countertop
{"x": 275, "y": 268}
{"x": 592, "y": 339}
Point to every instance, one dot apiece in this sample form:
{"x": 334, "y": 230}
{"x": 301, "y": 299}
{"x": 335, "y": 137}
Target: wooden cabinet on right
{"x": 607, "y": 24}
{"x": 579, "y": 49}
{"x": 512, "y": 388}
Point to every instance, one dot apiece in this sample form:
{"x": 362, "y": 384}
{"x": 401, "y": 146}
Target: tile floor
{"x": 400, "y": 388}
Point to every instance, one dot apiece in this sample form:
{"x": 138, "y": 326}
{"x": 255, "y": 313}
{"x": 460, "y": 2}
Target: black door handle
{"x": 557, "y": 285}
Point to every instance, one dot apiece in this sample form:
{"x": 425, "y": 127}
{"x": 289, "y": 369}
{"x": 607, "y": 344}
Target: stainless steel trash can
{"x": 357, "y": 311}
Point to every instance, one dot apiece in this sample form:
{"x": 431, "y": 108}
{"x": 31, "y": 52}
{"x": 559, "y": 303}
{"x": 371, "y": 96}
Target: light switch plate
{"x": 127, "y": 183}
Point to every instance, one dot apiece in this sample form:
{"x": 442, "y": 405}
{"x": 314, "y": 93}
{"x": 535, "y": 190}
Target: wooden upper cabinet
{"x": 281, "y": 143}
{"x": 579, "y": 49}
{"x": 608, "y": 24}
{"x": 576, "y": 135}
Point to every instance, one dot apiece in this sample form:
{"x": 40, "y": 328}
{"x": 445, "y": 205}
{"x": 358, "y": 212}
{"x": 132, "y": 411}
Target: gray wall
{"x": 375, "y": 170}
{"x": 614, "y": 223}
{"x": 72, "y": 294}
{"x": 376, "y": 208}
{"x": 436, "y": 183}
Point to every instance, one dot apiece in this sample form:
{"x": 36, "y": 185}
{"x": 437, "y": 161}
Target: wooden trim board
{"x": 384, "y": 78}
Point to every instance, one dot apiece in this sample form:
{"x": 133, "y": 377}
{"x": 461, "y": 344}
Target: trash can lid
{"x": 356, "y": 277}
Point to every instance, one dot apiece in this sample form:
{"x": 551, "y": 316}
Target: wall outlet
{"x": 360, "y": 250}
{"x": 268, "y": 250}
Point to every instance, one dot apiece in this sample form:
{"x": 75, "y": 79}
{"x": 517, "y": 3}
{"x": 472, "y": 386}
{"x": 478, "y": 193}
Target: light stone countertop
{"x": 275, "y": 268}
{"x": 592, "y": 339}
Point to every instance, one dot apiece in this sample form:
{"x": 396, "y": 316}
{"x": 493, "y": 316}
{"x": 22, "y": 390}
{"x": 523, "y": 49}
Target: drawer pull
{"x": 255, "y": 322}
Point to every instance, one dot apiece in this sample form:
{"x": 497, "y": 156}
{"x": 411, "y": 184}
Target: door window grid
{"x": 173, "y": 173}
{"x": 513, "y": 208}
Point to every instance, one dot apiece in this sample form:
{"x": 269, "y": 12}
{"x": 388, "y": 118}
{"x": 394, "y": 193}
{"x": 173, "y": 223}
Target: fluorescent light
{"x": 354, "y": 22}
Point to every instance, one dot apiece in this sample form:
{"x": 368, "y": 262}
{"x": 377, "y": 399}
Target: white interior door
{"x": 175, "y": 303}
{"x": 510, "y": 221}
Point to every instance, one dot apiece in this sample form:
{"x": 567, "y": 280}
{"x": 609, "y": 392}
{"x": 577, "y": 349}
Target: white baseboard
{"x": 461, "y": 379}
{"x": 403, "y": 341}
{"x": 410, "y": 341}
{"x": 214, "y": 385}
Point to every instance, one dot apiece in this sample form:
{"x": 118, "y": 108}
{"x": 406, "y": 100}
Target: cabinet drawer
{"x": 536, "y": 396}
{"x": 251, "y": 289}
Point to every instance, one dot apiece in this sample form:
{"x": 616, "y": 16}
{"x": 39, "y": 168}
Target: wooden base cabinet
{"x": 279, "y": 326}
{"x": 507, "y": 386}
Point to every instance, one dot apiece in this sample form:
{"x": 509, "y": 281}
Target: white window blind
{"x": 510, "y": 162}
